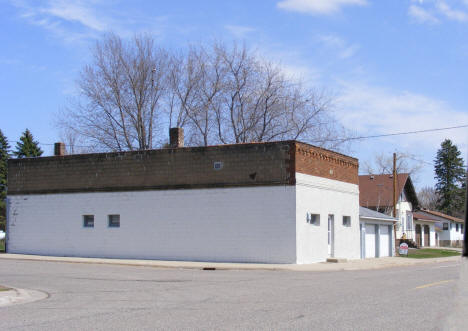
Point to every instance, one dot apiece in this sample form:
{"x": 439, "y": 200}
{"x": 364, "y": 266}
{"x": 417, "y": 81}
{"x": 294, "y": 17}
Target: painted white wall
{"x": 403, "y": 208}
{"x": 370, "y": 223}
{"x": 255, "y": 224}
{"x": 451, "y": 233}
{"x": 370, "y": 235}
{"x": 432, "y": 235}
{"x": 324, "y": 196}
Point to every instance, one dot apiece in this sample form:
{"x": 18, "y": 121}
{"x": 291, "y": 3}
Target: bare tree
{"x": 219, "y": 94}
{"x": 383, "y": 164}
{"x": 74, "y": 143}
{"x": 258, "y": 102}
{"x": 121, "y": 93}
{"x": 428, "y": 197}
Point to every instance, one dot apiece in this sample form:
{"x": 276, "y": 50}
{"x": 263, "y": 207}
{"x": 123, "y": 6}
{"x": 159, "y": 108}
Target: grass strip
{"x": 427, "y": 253}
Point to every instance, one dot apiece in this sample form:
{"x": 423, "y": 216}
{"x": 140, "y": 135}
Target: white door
{"x": 370, "y": 240}
{"x": 330, "y": 235}
{"x": 362, "y": 234}
{"x": 384, "y": 241}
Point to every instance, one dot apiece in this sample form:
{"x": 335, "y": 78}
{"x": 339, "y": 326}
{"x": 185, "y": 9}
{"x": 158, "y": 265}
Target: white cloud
{"x": 84, "y": 19}
{"x": 450, "y": 13}
{"x": 343, "y": 49}
{"x": 421, "y": 15}
{"x": 239, "y": 31}
{"x": 318, "y": 6}
{"x": 80, "y": 12}
{"x": 436, "y": 10}
{"x": 371, "y": 110}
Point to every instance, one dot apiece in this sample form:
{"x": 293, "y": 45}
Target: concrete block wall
{"x": 191, "y": 167}
{"x": 250, "y": 224}
{"x": 324, "y": 196}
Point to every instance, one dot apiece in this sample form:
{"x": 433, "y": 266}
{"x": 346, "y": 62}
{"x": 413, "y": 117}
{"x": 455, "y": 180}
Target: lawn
{"x": 425, "y": 253}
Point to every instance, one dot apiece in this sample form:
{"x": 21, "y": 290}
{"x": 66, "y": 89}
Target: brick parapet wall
{"x": 193, "y": 167}
{"x": 316, "y": 161}
{"x": 253, "y": 164}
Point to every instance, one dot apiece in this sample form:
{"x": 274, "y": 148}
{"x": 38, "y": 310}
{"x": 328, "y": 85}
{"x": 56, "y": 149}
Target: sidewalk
{"x": 368, "y": 264}
{"x": 17, "y": 296}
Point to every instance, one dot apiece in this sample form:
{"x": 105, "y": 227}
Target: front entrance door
{"x": 426, "y": 236}
{"x": 418, "y": 235}
{"x": 331, "y": 235}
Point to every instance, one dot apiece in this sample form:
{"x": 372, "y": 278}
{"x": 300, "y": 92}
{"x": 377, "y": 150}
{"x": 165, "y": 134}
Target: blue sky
{"x": 391, "y": 65}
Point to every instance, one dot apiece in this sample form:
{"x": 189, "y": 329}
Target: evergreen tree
{"x": 4, "y": 155}
{"x": 450, "y": 176}
{"x": 27, "y": 147}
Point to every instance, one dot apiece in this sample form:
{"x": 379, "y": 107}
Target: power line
{"x": 344, "y": 139}
{"x": 392, "y": 134}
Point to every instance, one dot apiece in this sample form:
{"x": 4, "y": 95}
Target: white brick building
{"x": 284, "y": 202}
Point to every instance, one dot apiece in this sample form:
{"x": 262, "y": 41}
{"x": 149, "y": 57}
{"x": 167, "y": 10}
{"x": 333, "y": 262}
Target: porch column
{"x": 422, "y": 236}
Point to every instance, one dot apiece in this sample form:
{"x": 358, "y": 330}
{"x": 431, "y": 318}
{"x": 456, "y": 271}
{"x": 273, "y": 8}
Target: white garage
{"x": 376, "y": 233}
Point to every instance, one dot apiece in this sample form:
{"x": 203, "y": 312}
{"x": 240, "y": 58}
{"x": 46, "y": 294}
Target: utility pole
{"x": 465, "y": 235}
{"x": 394, "y": 197}
{"x": 394, "y": 185}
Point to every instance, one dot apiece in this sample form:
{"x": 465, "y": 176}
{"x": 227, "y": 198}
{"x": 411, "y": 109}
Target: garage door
{"x": 384, "y": 240}
{"x": 370, "y": 240}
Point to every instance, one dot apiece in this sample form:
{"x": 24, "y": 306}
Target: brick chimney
{"x": 59, "y": 149}
{"x": 176, "y": 137}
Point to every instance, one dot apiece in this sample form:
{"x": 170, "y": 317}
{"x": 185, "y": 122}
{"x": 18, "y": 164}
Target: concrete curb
{"x": 18, "y": 296}
{"x": 368, "y": 264}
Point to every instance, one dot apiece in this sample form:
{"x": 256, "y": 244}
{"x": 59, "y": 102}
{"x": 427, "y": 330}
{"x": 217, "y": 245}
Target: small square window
{"x": 445, "y": 226}
{"x": 114, "y": 221}
{"x": 313, "y": 219}
{"x": 346, "y": 220}
{"x": 88, "y": 221}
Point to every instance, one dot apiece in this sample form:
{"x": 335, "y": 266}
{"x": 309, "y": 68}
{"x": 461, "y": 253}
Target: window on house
{"x": 457, "y": 227}
{"x": 409, "y": 219}
{"x": 114, "y": 221}
{"x": 313, "y": 219}
{"x": 88, "y": 221}
{"x": 346, "y": 220}
{"x": 445, "y": 226}
{"x": 461, "y": 227}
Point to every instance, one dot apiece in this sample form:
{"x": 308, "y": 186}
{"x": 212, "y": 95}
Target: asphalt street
{"x": 110, "y": 297}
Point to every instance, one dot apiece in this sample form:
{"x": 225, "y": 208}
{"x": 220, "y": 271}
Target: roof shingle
{"x": 377, "y": 190}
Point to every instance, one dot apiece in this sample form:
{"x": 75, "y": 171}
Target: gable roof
{"x": 377, "y": 190}
{"x": 442, "y": 215}
{"x": 369, "y": 213}
{"x": 418, "y": 216}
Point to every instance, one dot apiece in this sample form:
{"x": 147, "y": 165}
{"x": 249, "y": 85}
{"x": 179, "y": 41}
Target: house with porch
{"x": 449, "y": 230}
{"x": 425, "y": 229}
{"x": 376, "y": 193}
